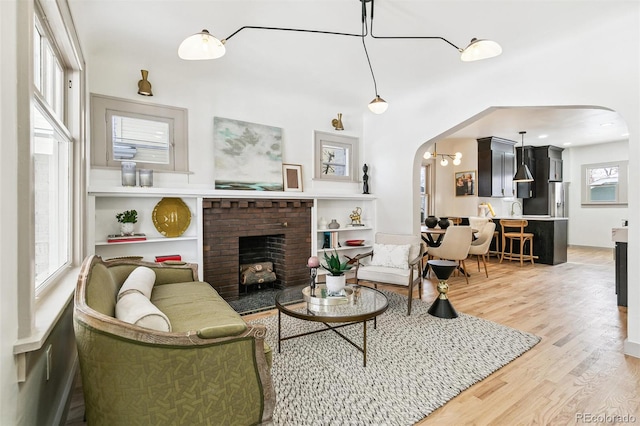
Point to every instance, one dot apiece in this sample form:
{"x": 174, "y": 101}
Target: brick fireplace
{"x": 285, "y": 222}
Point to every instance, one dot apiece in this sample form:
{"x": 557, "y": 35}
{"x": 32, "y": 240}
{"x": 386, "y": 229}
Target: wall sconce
{"x": 444, "y": 160}
{"x": 144, "y": 87}
{"x": 337, "y": 122}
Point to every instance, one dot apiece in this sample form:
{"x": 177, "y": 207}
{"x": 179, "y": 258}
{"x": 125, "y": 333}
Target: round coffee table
{"x": 360, "y": 305}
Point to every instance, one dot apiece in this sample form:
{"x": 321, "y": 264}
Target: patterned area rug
{"x": 414, "y": 365}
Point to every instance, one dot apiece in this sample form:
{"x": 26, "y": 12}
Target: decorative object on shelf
{"x": 322, "y": 223}
{"x": 313, "y": 263}
{"x": 443, "y": 157}
{"x": 127, "y": 219}
{"x": 354, "y": 243}
{"x": 336, "y": 279}
{"x": 365, "y": 179}
{"x": 171, "y": 217}
{"x": 465, "y": 183}
{"x": 333, "y": 224}
{"x": 144, "y": 87}
{"x": 444, "y": 223}
{"x": 431, "y": 221}
{"x": 523, "y": 174}
{"x": 146, "y": 177}
{"x": 442, "y": 307}
{"x": 120, "y": 238}
{"x": 292, "y": 177}
{"x": 168, "y": 257}
{"x": 356, "y": 217}
{"x": 337, "y": 122}
{"x": 128, "y": 171}
{"x": 204, "y": 46}
{"x": 248, "y": 155}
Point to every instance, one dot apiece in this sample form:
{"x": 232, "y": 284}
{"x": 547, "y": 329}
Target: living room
{"x": 548, "y": 60}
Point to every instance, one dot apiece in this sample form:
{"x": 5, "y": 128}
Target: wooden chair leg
{"x": 464, "y": 269}
{"x": 531, "y": 250}
{"x": 521, "y": 252}
{"x": 478, "y": 261}
{"x": 484, "y": 262}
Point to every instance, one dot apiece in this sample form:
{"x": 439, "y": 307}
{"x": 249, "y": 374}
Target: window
{"x": 153, "y": 136}
{"x": 335, "y": 157}
{"x": 604, "y": 183}
{"x": 51, "y": 159}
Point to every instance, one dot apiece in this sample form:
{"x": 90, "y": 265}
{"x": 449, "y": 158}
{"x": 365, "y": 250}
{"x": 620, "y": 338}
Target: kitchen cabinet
{"x": 547, "y": 168}
{"x": 496, "y": 167}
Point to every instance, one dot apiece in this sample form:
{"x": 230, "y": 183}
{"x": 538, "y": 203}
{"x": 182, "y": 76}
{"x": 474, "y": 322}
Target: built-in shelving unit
{"x": 104, "y": 203}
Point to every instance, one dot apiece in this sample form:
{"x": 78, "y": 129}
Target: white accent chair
{"x": 480, "y": 246}
{"x": 455, "y": 246}
{"x": 399, "y": 262}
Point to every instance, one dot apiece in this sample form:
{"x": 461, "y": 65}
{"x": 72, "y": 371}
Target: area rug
{"x": 415, "y": 364}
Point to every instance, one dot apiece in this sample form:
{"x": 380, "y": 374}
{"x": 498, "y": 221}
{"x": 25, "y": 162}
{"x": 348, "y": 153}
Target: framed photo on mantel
{"x": 292, "y": 177}
{"x": 465, "y": 183}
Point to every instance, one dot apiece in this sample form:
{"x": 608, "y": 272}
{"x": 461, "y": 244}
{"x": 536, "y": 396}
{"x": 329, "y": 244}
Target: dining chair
{"x": 455, "y": 246}
{"x": 396, "y": 259}
{"x": 480, "y": 246}
{"x": 516, "y": 234}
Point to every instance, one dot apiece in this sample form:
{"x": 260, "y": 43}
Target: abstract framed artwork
{"x": 247, "y": 156}
{"x": 292, "y": 177}
{"x": 465, "y": 183}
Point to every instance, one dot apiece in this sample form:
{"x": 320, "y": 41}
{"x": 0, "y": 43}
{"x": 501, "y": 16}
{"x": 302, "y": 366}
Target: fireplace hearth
{"x": 282, "y": 226}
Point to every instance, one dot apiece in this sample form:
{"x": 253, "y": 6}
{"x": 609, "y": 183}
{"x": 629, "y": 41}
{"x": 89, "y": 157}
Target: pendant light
{"x": 523, "y": 174}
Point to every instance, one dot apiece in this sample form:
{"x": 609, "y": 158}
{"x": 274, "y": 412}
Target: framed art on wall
{"x": 465, "y": 183}
{"x": 292, "y": 177}
{"x": 336, "y": 157}
{"x": 247, "y": 155}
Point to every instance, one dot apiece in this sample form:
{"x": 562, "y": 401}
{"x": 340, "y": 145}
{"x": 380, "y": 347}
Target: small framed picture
{"x": 292, "y": 175}
{"x": 465, "y": 183}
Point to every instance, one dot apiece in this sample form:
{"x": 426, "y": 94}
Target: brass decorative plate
{"x": 171, "y": 217}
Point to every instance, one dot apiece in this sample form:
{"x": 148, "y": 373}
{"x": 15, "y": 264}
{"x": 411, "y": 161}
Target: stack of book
{"x": 118, "y": 238}
{"x": 166, "y": 257}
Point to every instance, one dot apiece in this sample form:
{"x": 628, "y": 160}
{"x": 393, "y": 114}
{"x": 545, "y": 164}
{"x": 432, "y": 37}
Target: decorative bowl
{"x": 171, "y": 217}
{"x": 354, "y": 242}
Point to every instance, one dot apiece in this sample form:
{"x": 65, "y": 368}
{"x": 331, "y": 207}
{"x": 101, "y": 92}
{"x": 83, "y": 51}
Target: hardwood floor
{"x": 576, "y": 373}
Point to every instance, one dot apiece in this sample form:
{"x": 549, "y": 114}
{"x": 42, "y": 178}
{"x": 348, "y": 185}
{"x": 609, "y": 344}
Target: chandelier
{"x": 444, "y": 158}
{"x": 203, "y": 46}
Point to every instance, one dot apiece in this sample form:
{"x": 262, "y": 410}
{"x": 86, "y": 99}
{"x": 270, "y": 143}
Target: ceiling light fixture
{"x": 523, "y": 174}
{"x": 444, "y": 158}
{"x": 144, "y": 87}
{"x": 203, "y": 46}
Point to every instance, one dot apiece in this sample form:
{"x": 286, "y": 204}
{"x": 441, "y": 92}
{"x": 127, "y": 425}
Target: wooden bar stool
{"x": 519, "y": 235}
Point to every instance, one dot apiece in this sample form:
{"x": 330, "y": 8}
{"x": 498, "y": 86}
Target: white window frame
{"x": 621, "y": 188}
{"x": 103, "y": 107}
{"x": 348, "y": 143}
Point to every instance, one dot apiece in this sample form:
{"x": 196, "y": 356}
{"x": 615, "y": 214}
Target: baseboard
{"x": 632, "y": 348}
{"x": 64, "y": 402}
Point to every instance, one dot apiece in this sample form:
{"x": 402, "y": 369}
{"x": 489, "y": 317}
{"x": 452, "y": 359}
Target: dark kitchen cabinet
{"x": 547, "y": 168}
{"x": 495, "y": 167}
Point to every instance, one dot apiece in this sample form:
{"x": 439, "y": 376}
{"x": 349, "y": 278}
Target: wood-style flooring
{"x": 578, "y": 373}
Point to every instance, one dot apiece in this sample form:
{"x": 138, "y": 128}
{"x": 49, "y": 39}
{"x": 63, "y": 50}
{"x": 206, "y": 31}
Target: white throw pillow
{"x": 135, "y": 308}
{"x": 140, "y": 280}
{"x": 391, "y": 255}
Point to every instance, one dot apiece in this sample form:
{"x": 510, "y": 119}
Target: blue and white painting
{"x": 247, "y": 155}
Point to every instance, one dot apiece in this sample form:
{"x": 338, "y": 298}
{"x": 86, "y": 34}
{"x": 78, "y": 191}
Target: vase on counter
{"x": 333, "y": 224}
{"x": 444, "y": 223}
{"x": 431, "y": 221}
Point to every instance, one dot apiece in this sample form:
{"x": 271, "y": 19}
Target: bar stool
{"x": 520, "y": 235}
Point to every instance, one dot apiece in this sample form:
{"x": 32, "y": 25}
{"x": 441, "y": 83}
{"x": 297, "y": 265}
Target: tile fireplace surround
{"x": 226, "y": 220}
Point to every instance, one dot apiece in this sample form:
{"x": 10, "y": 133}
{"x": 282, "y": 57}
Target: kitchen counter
{"x": 531, "y": 217}
{"x": 620, "y": 237}
{"x": 549, "y": 237}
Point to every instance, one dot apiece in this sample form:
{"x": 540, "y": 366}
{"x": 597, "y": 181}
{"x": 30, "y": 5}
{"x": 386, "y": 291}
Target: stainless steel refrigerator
{"x": 558, "y": 196}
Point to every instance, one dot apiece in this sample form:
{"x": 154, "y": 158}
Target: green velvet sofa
{"x": 211, "y": 368}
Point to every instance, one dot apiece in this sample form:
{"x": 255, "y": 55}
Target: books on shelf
{"x": 118, "y": 238}
{"x": 166, "y": 257}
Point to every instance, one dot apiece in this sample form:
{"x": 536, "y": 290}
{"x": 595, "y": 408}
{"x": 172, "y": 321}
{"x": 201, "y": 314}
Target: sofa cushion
{"x": 383, "y": 274}
{"x": 140, "y": 280}
{"x": 195, "y": 305}
{"x": 391, "y": 255}
{"x": 135, "y": 308}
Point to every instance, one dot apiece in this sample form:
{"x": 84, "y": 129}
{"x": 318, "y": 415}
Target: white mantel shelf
{"x": 135, "y": 191}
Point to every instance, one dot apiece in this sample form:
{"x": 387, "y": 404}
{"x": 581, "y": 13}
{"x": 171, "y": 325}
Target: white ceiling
{"x": 324, "y": 65}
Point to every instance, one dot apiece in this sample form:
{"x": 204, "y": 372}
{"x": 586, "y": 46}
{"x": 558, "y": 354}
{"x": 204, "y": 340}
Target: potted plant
{"x": 127, "y": 219}
{"x": 336, "y": 279}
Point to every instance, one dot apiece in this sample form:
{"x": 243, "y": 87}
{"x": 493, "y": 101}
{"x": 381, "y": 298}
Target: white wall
{"x": 591, "y": 225}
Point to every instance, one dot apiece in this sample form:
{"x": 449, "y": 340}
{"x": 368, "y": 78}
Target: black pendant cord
{"x": 252, "y": 27}
{"x": 365, "y": 30}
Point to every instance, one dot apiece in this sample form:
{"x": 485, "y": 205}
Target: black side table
{"x": 441, "y": 307}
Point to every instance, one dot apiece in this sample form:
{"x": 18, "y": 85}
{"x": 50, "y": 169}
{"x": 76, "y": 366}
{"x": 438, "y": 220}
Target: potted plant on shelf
{"x": 336, "y": 279}
{"x": 127, "y": 219}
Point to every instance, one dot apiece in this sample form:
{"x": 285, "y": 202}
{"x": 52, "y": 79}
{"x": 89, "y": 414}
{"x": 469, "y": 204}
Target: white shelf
{"x": 147, "y": 241}
{"x": 347, "y": 228}
{"x": 345, "y": 247}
